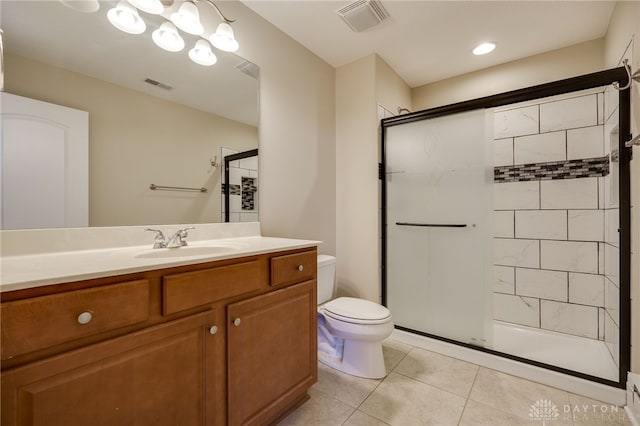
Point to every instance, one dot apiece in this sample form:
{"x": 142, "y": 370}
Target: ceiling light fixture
{"x": 125, "y": 18}
{"x": 224, "y": 39}
{"x": 154, "y": 7}
{"x": 167, "y": 38}
{"x": 484, "y": 48}
{"x": 187, "y": 18}
{"x": 202, "y": 54}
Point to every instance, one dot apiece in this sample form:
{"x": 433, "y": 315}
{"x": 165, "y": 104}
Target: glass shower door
{"x": 439, "y": 226}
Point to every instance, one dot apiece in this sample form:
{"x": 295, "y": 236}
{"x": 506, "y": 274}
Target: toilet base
{"x": 359, "y": 358}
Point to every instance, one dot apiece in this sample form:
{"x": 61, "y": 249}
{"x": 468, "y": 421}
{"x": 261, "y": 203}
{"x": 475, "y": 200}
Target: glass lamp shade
{"x": 167, "y": 38}
{"x": 154, "y": 7}
{"x": 224, "y": 39}
{"x": 187, "y": 18}
{"x": 202, "y": 54}
{"x": 125, "y": 18}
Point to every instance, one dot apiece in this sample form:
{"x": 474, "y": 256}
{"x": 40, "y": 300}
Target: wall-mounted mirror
{"x": 154, "y": 117}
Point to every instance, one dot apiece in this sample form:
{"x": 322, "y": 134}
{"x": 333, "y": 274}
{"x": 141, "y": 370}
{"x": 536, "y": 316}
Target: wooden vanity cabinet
{"x": 157, "y": 376}
{"x": 210, "y": 344}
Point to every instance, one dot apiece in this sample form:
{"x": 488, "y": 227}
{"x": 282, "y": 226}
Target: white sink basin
{"x": 195, "y": 250}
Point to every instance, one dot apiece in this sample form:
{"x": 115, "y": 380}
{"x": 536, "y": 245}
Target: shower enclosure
{"x": 505, "y": 225}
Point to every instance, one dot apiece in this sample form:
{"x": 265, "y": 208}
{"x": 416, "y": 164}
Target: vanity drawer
{"x": 293, "y": 268}
{"x": 191, "y": 289}
{"x": 40, "y": 322}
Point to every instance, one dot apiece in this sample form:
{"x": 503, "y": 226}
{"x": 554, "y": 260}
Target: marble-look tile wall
{"x": 555, "y": 231}
{"x": 243, "y": 190}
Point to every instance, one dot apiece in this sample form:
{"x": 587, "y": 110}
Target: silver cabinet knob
{"x": 236, "y": 322}
{"x": 300, "y": 268}
{"x": 85, "y": 318}
{"x": 213, "y": 329}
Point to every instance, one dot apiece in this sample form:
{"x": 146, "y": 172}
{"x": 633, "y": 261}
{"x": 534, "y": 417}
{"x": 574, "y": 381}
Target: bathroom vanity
{"x": 214, "y": 337}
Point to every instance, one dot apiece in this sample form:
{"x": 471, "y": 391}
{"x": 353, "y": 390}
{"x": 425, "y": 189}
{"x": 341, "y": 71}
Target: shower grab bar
{"x": 155, "y": 187}
{"x": 433, "y": 225}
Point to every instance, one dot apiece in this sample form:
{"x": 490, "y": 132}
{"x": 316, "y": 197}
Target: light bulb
{"x": 125, "y": 18}
{"x": 483, "y": 49}
{"x": 223, "y": 38}
{"x": 187, "y": 19}
{"x": 167, "y": 38}
{"x": 202, "y": 54}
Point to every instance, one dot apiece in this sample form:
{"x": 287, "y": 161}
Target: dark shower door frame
{"x": 227, "y": 160}
{"x": 588, "y": 81}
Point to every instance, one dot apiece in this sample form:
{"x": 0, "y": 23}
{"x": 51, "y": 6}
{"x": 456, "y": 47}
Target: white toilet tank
{"x": 326, "y": 277}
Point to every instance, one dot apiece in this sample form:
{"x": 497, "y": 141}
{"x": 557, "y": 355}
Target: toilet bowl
{"x": 350, "y": 330}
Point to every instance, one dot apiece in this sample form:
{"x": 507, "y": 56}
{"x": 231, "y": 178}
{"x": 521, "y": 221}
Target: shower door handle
{"x": 433, "y": 225}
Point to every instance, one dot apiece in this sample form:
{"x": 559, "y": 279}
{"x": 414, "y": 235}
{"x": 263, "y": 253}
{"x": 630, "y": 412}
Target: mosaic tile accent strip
{"x": 233, "y": 189}
{"x": 571, "y": 169}
{"x": 249, "y": 189}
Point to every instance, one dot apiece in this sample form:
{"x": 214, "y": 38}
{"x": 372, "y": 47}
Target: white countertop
{"x": 27, "y": 270}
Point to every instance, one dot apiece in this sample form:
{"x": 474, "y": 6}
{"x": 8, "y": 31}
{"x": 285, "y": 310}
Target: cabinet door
{"x": 272, "y": 353}
{"x": 162, "y": 375}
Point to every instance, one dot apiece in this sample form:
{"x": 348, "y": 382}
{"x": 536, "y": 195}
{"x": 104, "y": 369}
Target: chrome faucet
{"x": 177, "y": 240}
{"x": 160, "y": 241}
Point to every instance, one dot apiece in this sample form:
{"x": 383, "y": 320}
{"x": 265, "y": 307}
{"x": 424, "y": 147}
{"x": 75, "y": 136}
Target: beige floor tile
{"x": 438, "y": 370}
{"x": 349, "y": 389}
{"x": 585, "y": 411}
{"x": 476, "y": 414}
{"x": 402, "y": 401}
{"x": 514, "y": 395}
{"x": 358, "y": 418}
{"x": 320, "y": 410}
{"x": 393, "y": 352}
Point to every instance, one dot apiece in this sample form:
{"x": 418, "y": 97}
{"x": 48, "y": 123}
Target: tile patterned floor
{"x": 426, "y": 388}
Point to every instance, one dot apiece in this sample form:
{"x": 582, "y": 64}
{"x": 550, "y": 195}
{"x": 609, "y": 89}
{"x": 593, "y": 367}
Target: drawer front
{"x": 192, "y": 289}
{"x": 293, "y": 268}
{"x": 40, "y": 322}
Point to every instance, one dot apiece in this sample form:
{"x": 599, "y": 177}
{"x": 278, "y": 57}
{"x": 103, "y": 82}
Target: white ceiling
{"x": 427, "y": 41}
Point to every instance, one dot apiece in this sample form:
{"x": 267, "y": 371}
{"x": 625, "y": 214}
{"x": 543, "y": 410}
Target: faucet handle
{"x": 160, "y": 241}
{"x": 182, "y": 234}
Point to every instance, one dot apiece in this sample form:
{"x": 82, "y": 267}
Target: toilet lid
{"x": 356, "y": 310}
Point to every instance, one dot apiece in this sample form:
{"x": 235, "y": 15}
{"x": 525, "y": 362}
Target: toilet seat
{"x": 356, "y": 311}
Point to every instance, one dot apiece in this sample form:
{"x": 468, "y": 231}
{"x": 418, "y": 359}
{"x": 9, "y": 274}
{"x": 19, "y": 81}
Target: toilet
{"x": 350, "y": 330}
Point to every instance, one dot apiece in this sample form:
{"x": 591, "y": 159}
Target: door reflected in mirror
{"x": 154, "y": 117}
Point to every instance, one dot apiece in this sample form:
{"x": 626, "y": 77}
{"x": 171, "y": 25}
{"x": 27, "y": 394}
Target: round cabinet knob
{"x": 85, "y": 318}
{"x": 236, "y": 322}
{"x": 300, "y": 268}
{"x": 213, "y": 329}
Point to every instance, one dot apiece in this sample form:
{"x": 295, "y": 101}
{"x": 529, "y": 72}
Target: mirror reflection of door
{"x": 45, "y": 164}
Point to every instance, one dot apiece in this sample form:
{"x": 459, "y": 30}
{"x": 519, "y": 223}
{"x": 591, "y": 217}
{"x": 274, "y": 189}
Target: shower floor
{"x": 563, "y": 350}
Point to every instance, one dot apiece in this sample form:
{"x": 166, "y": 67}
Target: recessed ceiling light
{"x": 484, "y": 48}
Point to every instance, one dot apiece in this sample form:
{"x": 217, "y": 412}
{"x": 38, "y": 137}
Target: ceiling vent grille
{"x": 363, "y": 14}
{"x": 249, "y": 68}
{"x": 158, "y": 84}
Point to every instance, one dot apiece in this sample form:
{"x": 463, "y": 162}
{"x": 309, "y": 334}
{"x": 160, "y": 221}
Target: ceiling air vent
{"x": 363, "y": 14}
{"x": 158, "y": 84}
{"x": 249, "y": 68}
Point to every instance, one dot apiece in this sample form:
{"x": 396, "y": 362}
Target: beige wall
{"x": 356, "y": 176}
{"x": 571, "y": 61}
{"x": 623, "y": 28}
{"x": 360, "y": 87}
{"x": 297, "y": 131}
{"x": 135, "y": 140}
